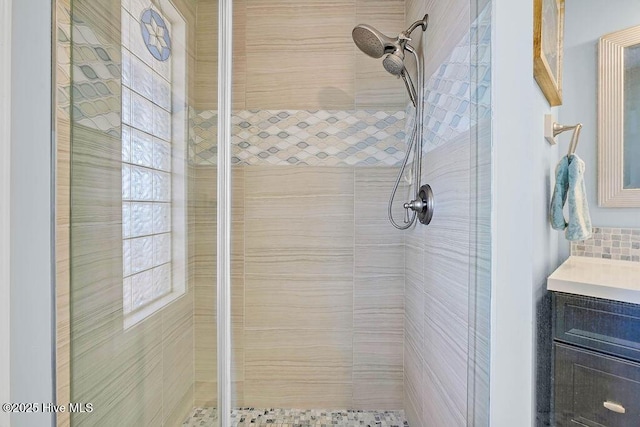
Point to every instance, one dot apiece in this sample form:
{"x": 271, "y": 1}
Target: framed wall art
{"x": 548, "y": 28}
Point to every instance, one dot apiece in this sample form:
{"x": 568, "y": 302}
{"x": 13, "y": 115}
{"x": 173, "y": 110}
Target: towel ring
{"x": 553, "y": 129}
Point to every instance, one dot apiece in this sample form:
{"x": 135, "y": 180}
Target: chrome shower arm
{"x": 424, "y": 22}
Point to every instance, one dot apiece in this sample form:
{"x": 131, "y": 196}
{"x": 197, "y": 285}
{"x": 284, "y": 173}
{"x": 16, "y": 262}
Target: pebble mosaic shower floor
{"x": 241, "y": 417}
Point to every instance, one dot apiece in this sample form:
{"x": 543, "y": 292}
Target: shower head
{"x": 373, "y": 42}
{"x": 394, "y": 62}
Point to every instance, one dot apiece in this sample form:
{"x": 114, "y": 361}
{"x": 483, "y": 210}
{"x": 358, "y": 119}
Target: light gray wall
{"x": 5, "y": 170}
{"x": 524, "y": 245}
{"x": 585, "y": 22}
{"x": 31, "y": 222}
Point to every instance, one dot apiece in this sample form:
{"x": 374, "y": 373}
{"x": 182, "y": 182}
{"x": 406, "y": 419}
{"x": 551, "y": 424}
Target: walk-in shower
{"x": 229, "y": 257}
{"x": 375, "y": 44}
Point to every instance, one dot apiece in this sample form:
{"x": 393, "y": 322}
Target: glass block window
{"x": 149, "y": 145}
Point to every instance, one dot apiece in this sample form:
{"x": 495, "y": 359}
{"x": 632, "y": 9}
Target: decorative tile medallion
{"x": 610, "y": 243}
{"x": 155, "y": 34}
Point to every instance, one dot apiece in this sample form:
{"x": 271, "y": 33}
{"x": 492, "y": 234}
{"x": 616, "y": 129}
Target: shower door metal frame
{"x": 225, "y": 52}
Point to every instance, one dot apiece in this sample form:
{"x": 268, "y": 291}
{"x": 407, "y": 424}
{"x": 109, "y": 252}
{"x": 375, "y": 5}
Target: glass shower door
{"x": 142, "y": 234}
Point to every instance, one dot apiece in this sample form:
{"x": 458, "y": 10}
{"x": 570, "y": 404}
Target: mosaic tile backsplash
{"x": 610, "y": 243}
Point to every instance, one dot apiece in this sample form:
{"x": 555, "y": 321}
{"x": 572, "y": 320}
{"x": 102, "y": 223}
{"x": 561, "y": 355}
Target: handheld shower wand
{"x": 375, "y": 44}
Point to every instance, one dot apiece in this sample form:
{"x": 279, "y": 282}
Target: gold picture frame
{"x": 548, "y": 29}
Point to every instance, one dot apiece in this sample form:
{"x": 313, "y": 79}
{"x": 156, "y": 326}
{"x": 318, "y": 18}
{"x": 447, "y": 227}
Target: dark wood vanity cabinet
{"x": 596, "y": 358}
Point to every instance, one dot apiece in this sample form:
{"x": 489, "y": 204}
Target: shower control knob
{"x": 414, "y": 205}
{"x": 422, "y": 205}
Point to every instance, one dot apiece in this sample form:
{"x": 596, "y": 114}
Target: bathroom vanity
{"x": 596, "y": 343}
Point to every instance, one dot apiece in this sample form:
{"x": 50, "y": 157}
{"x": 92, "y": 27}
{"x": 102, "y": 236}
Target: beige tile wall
{"x": 289, "y": 55}
{"x": 436, "y": 295}
{"x": 308, "y": 298}
{"x": 299, "y": 248}
{"x": 206, "y": 28}
{"x": 205, "y": 287}
{"x": 437, "y": 257}
{"x": 374, "y": 86}
{"x": 448, "y": 23}
{"x": 317, "y": 298}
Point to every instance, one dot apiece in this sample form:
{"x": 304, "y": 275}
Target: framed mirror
{"x": 619, "y": 119}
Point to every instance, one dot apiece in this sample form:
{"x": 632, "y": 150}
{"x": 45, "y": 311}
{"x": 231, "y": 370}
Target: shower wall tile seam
{"x": 353, "y": 274}
{"x": 244, "y": 273}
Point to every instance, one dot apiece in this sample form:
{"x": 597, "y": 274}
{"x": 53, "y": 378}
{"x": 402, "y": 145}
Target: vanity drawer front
{"x": 607, "y": 326}
{"x": 585, "y": 381}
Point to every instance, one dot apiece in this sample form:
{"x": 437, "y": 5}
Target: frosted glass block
{"x": 161, "y": 248}
{"x": 136, "y": 42}
{"x": 126, "y": 25}
{"x": 161, "y": 280}
{"x": 126, "y": 66}
{"x": 161, "y": 155}
{"x": 167, "y": 22}
{"x": 142, "y": 78}
{"x": 161, "y": 187}
{"x": 136, "y": 7}
{"x": 161, "y": 123}
{"x": 142, "y": 113}
{"x": 142, "y": 148}
{"x": 126, "y": 182}
{"x": 142, "y": 289}
{"x": 126, "y": 144}
{"x": 164, "y": 67}
{"x": 126, "y": 105}
{"x": 126, "y": 258}
{"x": 141, "y": 254}
{"x": 141, "y": 219}
{"x": 126, "y": 295}
{"x": 161, "y": 92}
{"x": 141, "y": 183}
{"x": 126, "y": 220}
{"x": 161, "y": 217}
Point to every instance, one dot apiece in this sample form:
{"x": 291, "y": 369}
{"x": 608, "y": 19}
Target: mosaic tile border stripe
{"x": 254, "y": 417}
{"x": 453, "y": 104}
{"x": 610, "y": 243}
{"x": 301, "y": 137}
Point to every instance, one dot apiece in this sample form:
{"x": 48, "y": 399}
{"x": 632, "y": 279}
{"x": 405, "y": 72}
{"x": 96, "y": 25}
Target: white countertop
{"x": 596, "y": 277}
